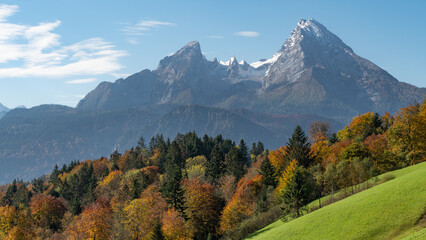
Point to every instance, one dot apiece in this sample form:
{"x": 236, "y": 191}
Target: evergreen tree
{"x": 227, "y": 145}
{"x": 244, "y": 153}
{"x": 268, "y": 173}
{"x": 235, "y": 163}
{"x": 190, "y": 144}
{"x": 299, "y": 148}
{"x": 215, "y": 166}
{"x": 253, "y": 150}
{"x": 141, "y": 143}
{"x": 16, "y": 195}
{"x": 114, "y": 160}
{"x": 260, "y": 148}
{"x": 157, "y": 234}
{"x": 262, "y": 200}
{"x": 333, "y": 138}
{"x": 54, "y": 176}
{"x": 208, "y": 145}
{"x": 218, "y": 139}
{"x": 72, "y": 191}
{"x": 133, "y": 161}
{"x": 38, "y": 185}
{"x": 297, "y": 194}
{"x": 10, "y": 193}
{"x": 172, "y": 189}
{"x": 377, "y": 124}
{"x": 174, "y": 155}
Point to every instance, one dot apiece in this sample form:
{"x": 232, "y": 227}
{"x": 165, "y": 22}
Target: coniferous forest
{"x": 210, "y": 187}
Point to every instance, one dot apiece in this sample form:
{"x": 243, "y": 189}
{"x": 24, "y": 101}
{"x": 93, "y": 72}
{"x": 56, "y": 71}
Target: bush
{"x": 254, "y": 223}
{"x": 387, "y": 177}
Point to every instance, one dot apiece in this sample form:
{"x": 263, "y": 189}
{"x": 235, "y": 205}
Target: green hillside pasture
{"x": 387, "y": 211}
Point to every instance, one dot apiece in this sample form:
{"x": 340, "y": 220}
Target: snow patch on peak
{"x": 231, "y": 61}
{"x": 315, "y": 32}
{"x": 224, "y": 63}
{"x": 313, "y": 27}
{"x": 270, "y": 61}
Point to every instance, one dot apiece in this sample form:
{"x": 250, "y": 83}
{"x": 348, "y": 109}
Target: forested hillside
{"x": 208, "y": 187}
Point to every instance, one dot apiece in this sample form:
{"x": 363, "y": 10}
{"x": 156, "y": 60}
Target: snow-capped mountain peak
{"x": 313, "y": 31}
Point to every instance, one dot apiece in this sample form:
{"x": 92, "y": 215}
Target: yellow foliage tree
{"x": 407, "y": 136}
{"x": 285, "y": 179}
{"x": 109, "y": 186}
{"x": 196, "y": 167}
{"x": 361, "y": 127}
{"x": 15, "y": 224}
{"x": 141, "y": 214}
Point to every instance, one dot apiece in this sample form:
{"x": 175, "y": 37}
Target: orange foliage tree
{"x": 378, "y": 149}
{"x": 174, "y": 226}
{"x": 47, "y": 211}
{"x": 93, "y": 223}
{"x": 242, "y": 204}
{"x": 202, "y": 208}
{"x": 333, "y": 153}
{"x": 277, "y": 158}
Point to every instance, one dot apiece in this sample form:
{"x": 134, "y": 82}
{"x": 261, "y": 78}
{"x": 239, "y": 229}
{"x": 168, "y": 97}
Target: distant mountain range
{"x": 313, "y": 72}
{"x": 3, "y": 110}
{"x": 313, "y": 76}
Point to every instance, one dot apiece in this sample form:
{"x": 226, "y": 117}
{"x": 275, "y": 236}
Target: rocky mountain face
{"x": 313, "y": 76}
{"x": 313, "y": 72}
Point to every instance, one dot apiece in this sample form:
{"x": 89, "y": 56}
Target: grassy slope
{"x": 389, "y": 210}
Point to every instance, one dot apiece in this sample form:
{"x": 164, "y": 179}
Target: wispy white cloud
{"x": 133, "y": 41}
{"x": 7, "y": 11}
{"x": 80, "y": 81}
{"x": 120, "y": 75}
{"x": 216, "y": 36}
{"x": 36, "y": 51}
{"x": 247, "y": 34}
{"x": 142, "y": 27}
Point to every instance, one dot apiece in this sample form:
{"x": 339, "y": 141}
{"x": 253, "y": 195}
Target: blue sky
{"x": 57, "y": 51}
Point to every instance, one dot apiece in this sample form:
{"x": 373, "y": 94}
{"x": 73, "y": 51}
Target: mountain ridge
{"x": 313, "y": 76}
{"x": 314, "y": 71}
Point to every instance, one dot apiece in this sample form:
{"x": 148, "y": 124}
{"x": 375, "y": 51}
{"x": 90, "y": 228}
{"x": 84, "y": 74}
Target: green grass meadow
{"x": 391, "y": 210}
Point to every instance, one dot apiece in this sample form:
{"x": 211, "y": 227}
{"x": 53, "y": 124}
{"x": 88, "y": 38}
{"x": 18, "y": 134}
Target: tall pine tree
{"x": 172, "y": 189}
{"x": 298, "y": 148}
{"x": 235, "y": 163}
{"x": 244, "y": 153}
{"x": 215, "y": 166}
{"x": 268, "y": 173}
